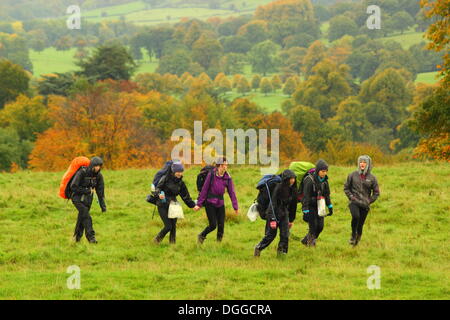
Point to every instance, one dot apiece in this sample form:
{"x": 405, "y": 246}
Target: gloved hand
{"x": 290, "y": 224}
{"x": 330, "y": 210}
{"x": 273, "y": 224}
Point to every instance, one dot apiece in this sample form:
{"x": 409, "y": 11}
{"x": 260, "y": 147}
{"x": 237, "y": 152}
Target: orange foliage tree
{"x": 102, "y": 121}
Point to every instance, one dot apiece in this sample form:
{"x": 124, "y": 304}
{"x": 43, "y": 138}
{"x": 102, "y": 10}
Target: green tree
{"x": 27, "y": 116}
{"x": 289, "y": 86}
{"x": 243, "y": 86}
{"x": 263, "y": 57}
{"x": 12, "y": 149}
{"x": 266, "y": 86}
{"x": 341, "y": 26}
{"x": 276, "y": 83}
{"x": 206, "y": 51}
{"x": 402, "y": 21}
{"x": 256, "y": 81}
{"x": 14, "y": 80}
{"x": 177, "y": 63}
{"x": 110, "y": 61}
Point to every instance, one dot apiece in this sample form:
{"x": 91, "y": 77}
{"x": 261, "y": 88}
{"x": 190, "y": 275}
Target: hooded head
{"x": 177, "y": 167}
{"x": 287, "y": 175}
{"x": 366, "y": 159}
{"x": 95, "y": 161}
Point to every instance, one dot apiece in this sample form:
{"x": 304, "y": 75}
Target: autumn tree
{"x": 14, "y": 80}
{"x": 256, "y": 80}
{"x": 266, "y": 86}
{"x": 263, "y": 57}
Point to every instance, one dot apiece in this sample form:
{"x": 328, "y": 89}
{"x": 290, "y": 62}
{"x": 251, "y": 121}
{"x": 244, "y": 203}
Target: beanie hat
{"x": 177, "y": 167}
{"x": 321, "y": 165}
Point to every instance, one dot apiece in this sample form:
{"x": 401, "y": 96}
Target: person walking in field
{"x": 85, "y": 181}
{"x": 280, "y": 214}
{"x": 361, "y": 189}
{"x": 168, "y": 188}
{"x": 211, "y": 196}
{"x": 315, "y": 187}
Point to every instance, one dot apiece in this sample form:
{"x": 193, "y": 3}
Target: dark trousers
{"x": 170, "y": 225}
{"x": 359, "y": 216}
{"x": 84, "y": 221}
{"x": 315, "y": 223}
{"x": 270, "y": 235}
{"x": 216, "y": 219}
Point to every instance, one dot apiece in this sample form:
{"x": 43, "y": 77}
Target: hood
{"x": 367, "y": 160}
{"x": 288, "y": 174}
{"x": 95, "y": 161}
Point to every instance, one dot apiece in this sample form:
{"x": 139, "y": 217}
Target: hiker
{"x": 315, "y": 185}
{"x": 280, "y": 214}
{"x": 82, "y": 187}
{"x": 211, "y": 196}
{"x": 361, "y": 188}
{"x": 168, "y": 188}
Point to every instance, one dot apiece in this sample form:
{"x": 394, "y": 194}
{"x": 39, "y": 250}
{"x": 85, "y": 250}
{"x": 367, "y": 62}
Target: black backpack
{"x": 265, "y": 187}
{"x": 201, "y": 177}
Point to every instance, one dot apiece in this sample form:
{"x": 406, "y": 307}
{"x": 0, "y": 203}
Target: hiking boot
{"x": 357, "y": 239}
{"x": 172, "y": 241}
{"x": 352, "y": 240}
{"x": 157, "y": 240}
{"x": 93, "y": 240}
{"x": 200, "y": 239}
{"x": 311, "y": 241}
{"x": 281, "y": 253}
{"x": 76, "y": 238}
{"x": 257, "y": 252}
{"x": 304, "y": 241}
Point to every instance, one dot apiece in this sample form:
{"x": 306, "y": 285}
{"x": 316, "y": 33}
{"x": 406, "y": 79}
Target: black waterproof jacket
{"x": 284, "y": 198}
{"x": 85, "y": 181}
{"x": 173, "y": 187}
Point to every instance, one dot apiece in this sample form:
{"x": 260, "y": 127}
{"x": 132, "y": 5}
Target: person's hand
{"x": 236, "y": 212}
{"x": 273, "y": 224}
{"x": 196, "y": 208}
{"x": 290, "y": 224}
{"x": 330, "y": 210}
{"x": 162, "y": 197}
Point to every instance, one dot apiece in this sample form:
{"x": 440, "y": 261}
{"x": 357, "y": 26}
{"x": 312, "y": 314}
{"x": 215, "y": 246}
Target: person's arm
{"x": 270, "y": 212}
{"x": 76, "y": 187}
{"x": 328, "y": 198}
{"x": 232, "y": 194}
{"x": 184, "y": 194}
{"x": 375, "y": 190}
{"x": 348, "y": 188}
{"x": 100, "y": 190}
{"x": 205, "y": 189}
{"x": 307, "y": 194}
{"x": 293, "y": 207}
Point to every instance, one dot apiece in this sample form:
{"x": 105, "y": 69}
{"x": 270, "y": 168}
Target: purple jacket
{"x": 218, "y": 188}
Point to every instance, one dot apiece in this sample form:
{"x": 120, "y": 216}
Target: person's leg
{"x": 84, "y": 222}
{"x": 319, "y": 226}
{"x": 164, "y": 215}
{"x": 355, "y": 212}
{"x": 284, "y": 235}
{"x": 173, "y": 231}
{"x": 362, "y": 220}
{"x": 79, "y": 229}
{"x": 212, "y": 219}
{"x": 313, "y": 223}
{"x": 269, "y": 236}
{"x": 220, "y": 222}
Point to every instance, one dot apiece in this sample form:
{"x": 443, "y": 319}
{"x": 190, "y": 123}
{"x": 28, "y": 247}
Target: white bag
{"x": 252, "y": 212}
{"x": 175, "y": 210}
{"x": 321, "y": 207}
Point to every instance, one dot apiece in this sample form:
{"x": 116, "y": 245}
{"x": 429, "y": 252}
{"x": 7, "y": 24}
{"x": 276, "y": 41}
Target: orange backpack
{"x": 75, "y": 165}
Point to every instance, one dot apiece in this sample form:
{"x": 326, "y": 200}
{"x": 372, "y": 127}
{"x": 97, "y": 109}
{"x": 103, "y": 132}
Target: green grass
{"x": 427, "y": 77}
{"x": 52, "y": 61}
{"x": 406, "y": 235}
{"x": 270, "y": 102}
{"x": 407, "y": 39}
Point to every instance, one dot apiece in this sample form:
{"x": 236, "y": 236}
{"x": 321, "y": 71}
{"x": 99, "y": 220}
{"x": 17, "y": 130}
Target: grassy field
{"x": 50, "y": 61}
{"x": 406, "y": 235}
{"x": 428, "y": 77}
{"x": 140, "y": 13}
{"x": 271, "y": 102}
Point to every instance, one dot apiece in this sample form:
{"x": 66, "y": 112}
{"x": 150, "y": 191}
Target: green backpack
{"x": 301, "y": 170}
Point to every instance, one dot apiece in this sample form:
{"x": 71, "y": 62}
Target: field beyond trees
{"x": 406, "y": 235}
